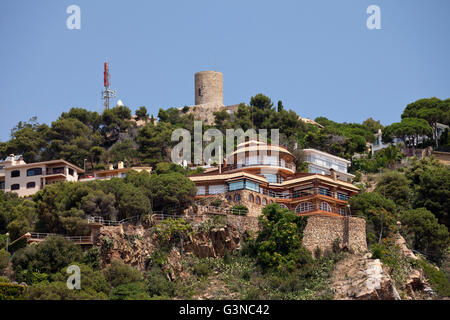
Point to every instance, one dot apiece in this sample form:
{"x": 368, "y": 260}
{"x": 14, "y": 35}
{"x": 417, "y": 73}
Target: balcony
{"x": 230, "y": 167}
{"x": 299, "y": 194}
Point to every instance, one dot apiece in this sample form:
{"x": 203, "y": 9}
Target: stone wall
{"x": 244, "y": 223}
{"x": 321, "y": 231}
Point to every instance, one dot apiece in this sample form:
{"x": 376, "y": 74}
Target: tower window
{"x": 200, "y": 92}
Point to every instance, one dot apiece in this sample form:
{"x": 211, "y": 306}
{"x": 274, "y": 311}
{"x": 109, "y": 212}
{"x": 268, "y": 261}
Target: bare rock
{"x": 358, "y": 277}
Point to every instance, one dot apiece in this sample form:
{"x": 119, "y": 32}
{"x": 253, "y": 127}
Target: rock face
{"x": 359, "y": 277}
{"x": 134, "y": 244}
{"x": 214, "y": 243}
{"x": 130, "y": 244}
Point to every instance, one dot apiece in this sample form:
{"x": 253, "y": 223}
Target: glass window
{"x": 238, "y": 185}
{"x": 31, "y": 185}
{"x": 342, "y": 211}
{"x": 2, "y": 185}
{"x": 258, "y": 200}
{"x": 342, "y": 196}
{"x": 250, "y": 185}
{"x": 271, "y": 177}
{"x": 304, "y": 207}
{"x": 264, "y": 201}
{"x": 71, "y": 172}
{"x": 15, "y": 186}
{"x": 15, "y": 174}
{"x": 237, "y": 197}
{"x": 325, "y": 207}
{"x": 251, "y": 198}
{"x": 34, "y": 172}
{"x": 200, "y": 190}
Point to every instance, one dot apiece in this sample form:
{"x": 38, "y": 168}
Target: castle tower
{"x": 209, "y": 88}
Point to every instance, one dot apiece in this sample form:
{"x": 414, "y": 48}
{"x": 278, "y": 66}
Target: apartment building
{"x": 26, "y": 179}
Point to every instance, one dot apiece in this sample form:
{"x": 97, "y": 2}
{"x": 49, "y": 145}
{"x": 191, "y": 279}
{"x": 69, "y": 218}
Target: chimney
{"x": 333, "y": 174}
{"x": 120, "y": 165}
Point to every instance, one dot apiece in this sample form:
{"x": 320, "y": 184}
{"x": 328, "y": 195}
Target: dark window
{"x": 15, "y": 173}
{"x": 237, "y": 197}
{"x": 58, "y": 170}
{"x": 71, "y": 172}
{"x": 31, "y": 185}
{"x": 2, "y": 185}
{"x": 34, "y": 172}
{"x": 15, "y": 186}
{"x": 199, "y": 92}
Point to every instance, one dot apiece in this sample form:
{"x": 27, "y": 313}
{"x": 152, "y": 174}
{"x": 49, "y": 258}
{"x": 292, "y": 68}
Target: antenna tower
{"x": 108, "y": 93}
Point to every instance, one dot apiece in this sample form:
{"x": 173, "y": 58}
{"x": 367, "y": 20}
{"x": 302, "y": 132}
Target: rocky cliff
{"x": 134, "y": 244}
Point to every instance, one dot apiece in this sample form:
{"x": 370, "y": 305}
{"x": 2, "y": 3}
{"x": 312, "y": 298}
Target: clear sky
{"x": 317, "y": 56}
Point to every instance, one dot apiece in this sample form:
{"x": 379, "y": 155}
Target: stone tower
{"x": 209, "y": 88}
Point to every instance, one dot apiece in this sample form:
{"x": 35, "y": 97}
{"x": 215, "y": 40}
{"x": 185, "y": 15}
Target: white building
{"x": 26, "y": 179}
{"x": 321, "y": 162}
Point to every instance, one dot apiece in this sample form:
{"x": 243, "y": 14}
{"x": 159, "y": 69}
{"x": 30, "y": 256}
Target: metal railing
{"x": 235, "y": 166}
{"x": 42, "y": 236}
{"x": 294, "y": 195}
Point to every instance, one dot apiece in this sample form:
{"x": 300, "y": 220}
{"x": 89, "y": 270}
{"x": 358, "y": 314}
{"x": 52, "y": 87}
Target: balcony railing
{"x": 247, "y": 164}
{"x": 294, "y": 195}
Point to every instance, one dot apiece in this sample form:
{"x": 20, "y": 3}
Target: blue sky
{"x": 317, "y": 56}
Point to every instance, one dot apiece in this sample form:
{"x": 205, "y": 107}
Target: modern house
{"x": 261, "y": 174}
{"x": 28, "y": 178}
{"x": 322, "y": 162}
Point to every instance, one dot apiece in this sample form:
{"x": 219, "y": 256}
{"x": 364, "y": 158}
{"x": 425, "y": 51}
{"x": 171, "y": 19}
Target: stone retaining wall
{"x": 322, "y": 231}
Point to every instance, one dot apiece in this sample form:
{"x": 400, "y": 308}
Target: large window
{"x": 216, "y": 189}
{"x": 325, "y": 207}
{"x": 15, "y": 186}
{"x": 237, "y": 185}
{"x": 271, "y": 178}
{"x": 34, "y": 172}
{"x": 15, "y": 173}
{"x": 304, "y": 207}
{"x": 200, "y": 190}
{"x": 31, "y": 185}
{"x": 250, "y": 185}
{"x": 342, "y": 196}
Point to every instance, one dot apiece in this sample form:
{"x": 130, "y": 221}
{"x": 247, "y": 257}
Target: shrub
{"x": 438, "y": 279}
{"x": 201, "y": 269}
{"x": 49, "y": 256}
{"x": 130, "y": 291}
{"x": 158, "y": 284}
{"x": 215, "y": 221}
{"x": 216, "y": 202}
{"x": 10, "y": 291}
{"x": 119, "y": 273}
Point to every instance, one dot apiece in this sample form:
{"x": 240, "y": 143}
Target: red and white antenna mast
{"x": 108, "y": 93}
